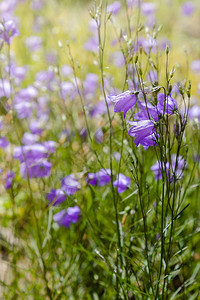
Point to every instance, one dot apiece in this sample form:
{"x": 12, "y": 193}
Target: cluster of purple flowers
{"x": 144, "y": 129}
{"x": 69, "y": 186}
{"x": 173, "y": 170}
{"x": 33, "y": 157}
{"x": 103, "y": 177}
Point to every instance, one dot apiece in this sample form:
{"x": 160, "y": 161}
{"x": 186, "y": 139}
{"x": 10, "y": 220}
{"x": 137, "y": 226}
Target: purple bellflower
{"x": 114, "y": 7}
{"x": 148, "y": 8}
{"x": 178, "y": 164}
{"x": 141, "y": 130}
{"x": 149, "y": 141}
{"x": 9, "y": 179}
{"x": 100, "y": 178}
{"x": 92, "y": 179}
{"x": 157, "y": 169}
{"x": 169, "y": 104}
{"x": 143, "y": 114}
{"x": 99, "y": 136}
{"x": 90, "y": 84}
{"x": 68, "y": 216}
{"x": 194, "y": 113}
{"x": 56, "y": 197}
{"x": 30, "y": 153}
{"x": 70, "y": 185}
{"x": 195, "y": 66}
{"x": 8, "y": 30}
{"x": 124, "y": 101}
{"x": 187, "y": 8}
{"x": 122, "y": 183}
{"x": 33, "y": 43}
{"x": 39, "y": 170}
{"x": 5, "y": 88}
{"x": 3, "y": 142}
{"x": 29, "y": 138}
{"x": 173, "y": 171}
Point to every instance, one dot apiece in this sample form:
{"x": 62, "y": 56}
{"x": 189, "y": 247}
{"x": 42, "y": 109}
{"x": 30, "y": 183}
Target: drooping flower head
{"x": 124, "y": 101}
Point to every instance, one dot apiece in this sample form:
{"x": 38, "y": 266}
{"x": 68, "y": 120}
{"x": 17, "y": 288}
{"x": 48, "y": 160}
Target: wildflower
{"x": 92, "y": 179}
{"x": 178, "y": 164}
{"x": 29, "y": 138}
{"x": 36, "y": 126}
{"x": 30, "y": 153}
{"x": 37, "y": 4}
{"x": 117, "y": 155}
{"x": 56, "y": 196}
{"x": 159, "y": 169}
{"x": 70, "y": 185}
{"x": 67, "y": 90}
{"x": 90, "y": 84}
{"x": 167, "y": 103}
{"x": 68, "y": 216}
{"x": 66, "y": 70}
{"x": 38, "y": 170}
{"x": 16, "y": 73}
{"x": 8, "y": 30}
{"x": 122, "y": 183}
{"x": 148, "y": 8}
{"x": 3, "y": 142}
{"x": 195, "y": 66}
{"x": 152, "y": 76}
{"x": 187, "y": 8}
{"x": 118, "y": 59}
{"x": 174, "y": 171}
{"x": 5, "y": 88}
{"x": 9, "y": 179}
{"x": 33, "y": 43}
{"x": 50, "y": 146}
{"x": 194, "y": 113}
{"x": 147, "y": 110}
{"x": 141, "y": 130}
{"x": 114, "y": 7}
{"x": 92, "y": 44}
{"x": 100, "y": 178}
{"x": 124, "y": 101}
{"x": 150, "y": 140}
{"x": 99, "y": 136}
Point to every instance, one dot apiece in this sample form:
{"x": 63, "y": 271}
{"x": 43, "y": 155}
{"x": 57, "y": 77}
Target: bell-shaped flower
{"x": 141, "y": 130}
{"x": 166, "y": 103}
{"x": 124, "y": 101}
{"x": 67, "y": 216}
{"x": 56, "y": 197}
{"x": 122, "y": 183}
